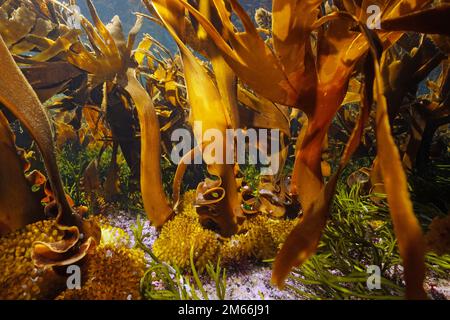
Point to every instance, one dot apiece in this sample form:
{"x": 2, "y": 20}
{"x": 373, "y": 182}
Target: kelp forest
{"x": 224, "y": 150}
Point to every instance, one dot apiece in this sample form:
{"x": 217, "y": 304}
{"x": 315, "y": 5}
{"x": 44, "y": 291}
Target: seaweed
{"x": 360, "y": 108}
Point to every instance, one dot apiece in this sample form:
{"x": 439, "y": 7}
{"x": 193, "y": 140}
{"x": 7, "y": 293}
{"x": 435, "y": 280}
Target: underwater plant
{"x": 315, "y": 79}
{"x": 19, "y": 98}
{"x": 337, "y": 87}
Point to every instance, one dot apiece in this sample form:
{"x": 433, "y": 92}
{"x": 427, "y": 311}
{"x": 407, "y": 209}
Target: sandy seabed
{"x": 248, "y": 280}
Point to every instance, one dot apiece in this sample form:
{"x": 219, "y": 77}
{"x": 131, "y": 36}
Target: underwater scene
{"x": 224, "y": 150}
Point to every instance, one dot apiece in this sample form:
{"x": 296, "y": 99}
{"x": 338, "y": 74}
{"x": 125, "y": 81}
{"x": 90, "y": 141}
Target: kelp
{"x": 18, "y": 97}
{"x": 315, "y": 80}
{"x": 19, "y": 205}
{"x": 112, "y": 62}
{"x": 406, "y": 226}
{"x": 217, "y": 200}
{"x": 260, "y": 112}
{"x": 19, "y": 20}
{"x": 319, "y": 59}
{"x": 430, "y": 21}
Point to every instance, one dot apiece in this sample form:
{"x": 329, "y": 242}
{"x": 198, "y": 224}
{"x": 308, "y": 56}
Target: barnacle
{"x": 112, "y": 273}
{"x": 261, "y": 239}
{"x": 179, "y": 235}
{"x": 19, "y": 278}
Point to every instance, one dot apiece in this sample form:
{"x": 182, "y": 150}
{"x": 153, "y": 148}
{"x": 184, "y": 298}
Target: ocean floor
{"x": 247, "y": 281}
{"x": 250, "y": 281}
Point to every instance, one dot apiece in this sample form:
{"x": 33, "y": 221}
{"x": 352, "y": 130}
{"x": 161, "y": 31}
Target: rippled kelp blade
{"x": 208, "y": 107}
{"x": 19, "y": 206}
{"x": 17, "y": 96}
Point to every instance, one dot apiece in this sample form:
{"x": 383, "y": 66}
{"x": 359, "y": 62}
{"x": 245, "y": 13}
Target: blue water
{"x": 107, "y": 9}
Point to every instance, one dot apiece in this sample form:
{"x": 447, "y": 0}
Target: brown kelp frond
{"x": 212, "y": 107}
{"x": 312, "y": 69}
{"x": 430, "y": 21}
{"x": 19, "y": 205}
{"x": 111, "y": 65}
{"x": 313, "y": 77}
{"x": 247, "y": 54}
{"x": 304, "y": 239}
{"x": 18, "y": 97}
{"x": 406, "y": 226}
{"x": 155, "y": 202}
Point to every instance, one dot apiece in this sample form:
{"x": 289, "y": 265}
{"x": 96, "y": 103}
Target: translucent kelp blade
{"x": 321, "y": 100}
{"x": 303, "y": 241}
{"x": 61, "y": 45}
{"x": 262, "y": 113}
{"x": 155, "y": 202}
{"x": 109, "y": 44}
{"x": 250, "y": 58}
{"x": 292, "y": 24}
{"x": 143, "y": 47}
{"x": 207, "y": 106}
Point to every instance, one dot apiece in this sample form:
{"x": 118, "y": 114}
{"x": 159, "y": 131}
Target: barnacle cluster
{"x": 260, "y": 238}
{"x": 19, "y": 278}
{"x": 112, "y": 272}
{"x": 179, "y": 235}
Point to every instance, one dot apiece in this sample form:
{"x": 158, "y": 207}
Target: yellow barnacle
{"x": 19, "y": 279}
{"x": 112, "y": 273}
{"x": 261, "y": 239}
{"x": 179, "y": 235}
{"x": 113, "y": 236}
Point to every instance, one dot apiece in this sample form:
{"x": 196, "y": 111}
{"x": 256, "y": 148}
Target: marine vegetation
{"x": 348, "y": 102}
